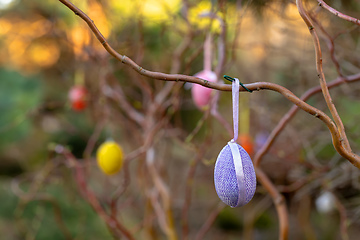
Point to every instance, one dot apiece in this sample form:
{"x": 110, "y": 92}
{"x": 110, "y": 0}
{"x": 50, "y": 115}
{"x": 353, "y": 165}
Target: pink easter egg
{"x": 202, "y": 95}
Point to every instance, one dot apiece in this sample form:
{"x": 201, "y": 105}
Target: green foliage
{"x": 228, "y": 220}
{"x": 19, "y": 96}
{"x": 264, "y": 221}
{"x": 348, "y": 112}
{"x": 8, "y": 201}
{"x": 326, "y": 152}
{"x": 38, "y": 216}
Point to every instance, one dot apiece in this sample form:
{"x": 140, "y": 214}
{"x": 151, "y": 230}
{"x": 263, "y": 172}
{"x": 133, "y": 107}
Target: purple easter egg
{"x": 234, "y": 176}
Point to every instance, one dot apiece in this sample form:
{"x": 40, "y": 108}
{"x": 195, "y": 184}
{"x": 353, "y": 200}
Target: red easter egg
{"x": 78, "y": 98}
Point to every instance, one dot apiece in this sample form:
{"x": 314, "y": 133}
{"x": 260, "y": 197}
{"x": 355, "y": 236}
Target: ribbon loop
{"x": 235, "y": 106}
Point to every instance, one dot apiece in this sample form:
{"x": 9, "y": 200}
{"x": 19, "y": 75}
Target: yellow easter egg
{"x": 110, "y": 157}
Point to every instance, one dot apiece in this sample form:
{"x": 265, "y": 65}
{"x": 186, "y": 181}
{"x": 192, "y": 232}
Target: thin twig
{"x": 330, "y": 44}
{"x": 209, "y": 221}
{"x": 93, "y": 138}
{"x": 343, "y": 218}
{"x": 344, "y": 143}
{"x": 279, "y": 201}
{"x": 189, "y": 186}
{"x": 118, "y": 95}
{"x": 165, "y": 213}
{"x": 222, "y": 43}
{"x": 89, "y": 196}
{"x": 337, "y": 13}
{"x": 57, "y": 213}
{"x": 321, "y": 75}
{"x": 291, "y": 113}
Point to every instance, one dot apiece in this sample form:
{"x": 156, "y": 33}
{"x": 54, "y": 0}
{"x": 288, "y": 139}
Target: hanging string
{"x": 235, "y": 96}
{"x": 207, "y": 52}
{"x": 235, "y": 106}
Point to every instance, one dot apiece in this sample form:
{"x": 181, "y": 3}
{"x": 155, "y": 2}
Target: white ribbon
{"x": 235, "y": 148}
{"x": 239, "y": 173}
{"x": 235, "y": 105}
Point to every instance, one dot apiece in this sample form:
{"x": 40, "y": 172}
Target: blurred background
{"x": 171, "y": 145}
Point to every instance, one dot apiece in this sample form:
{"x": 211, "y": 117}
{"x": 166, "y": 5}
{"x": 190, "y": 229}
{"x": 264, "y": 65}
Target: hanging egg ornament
{"x": 326, "y": 202}
{"x": 202, "y": 95}
{"x": 234, "y": 173}
{"x": 234, "y": 176}
{"x": 110, "y": 157}
{"x": 78, "y": 97}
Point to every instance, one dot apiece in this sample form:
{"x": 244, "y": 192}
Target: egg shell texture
{"x": 225, "y": 180}
{"x": 200, "y": 94}
{"x": 110, "y": 157}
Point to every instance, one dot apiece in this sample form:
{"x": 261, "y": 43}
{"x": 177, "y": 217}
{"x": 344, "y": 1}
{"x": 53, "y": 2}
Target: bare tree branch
{"x": 337, "y": 13}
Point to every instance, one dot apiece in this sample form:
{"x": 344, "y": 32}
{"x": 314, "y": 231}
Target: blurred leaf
{"x": 19, "y": 95}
